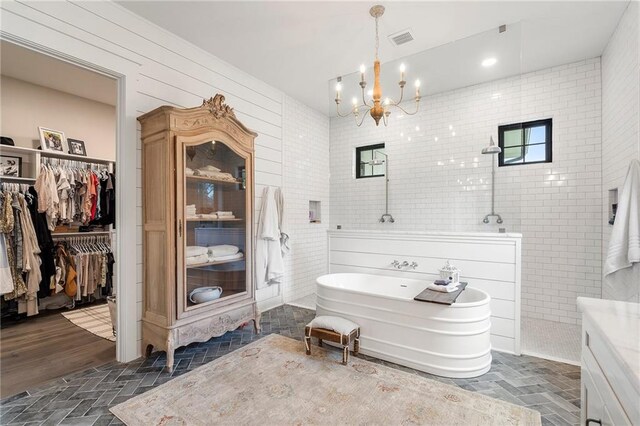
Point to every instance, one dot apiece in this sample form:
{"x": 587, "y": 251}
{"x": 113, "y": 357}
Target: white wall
{"x": 306, "y": 177}
{"x": 444, "y": 185}
{"x": 158, "y": 69}
{"x": 25, "y": 106}
{"x": 620, "y": 111}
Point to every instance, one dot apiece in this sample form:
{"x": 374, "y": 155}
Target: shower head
{"x": 492, "y": 148}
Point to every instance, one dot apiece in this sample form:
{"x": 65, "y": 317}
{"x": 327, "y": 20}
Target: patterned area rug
{"x": 94, "y": 319}
{"x": 272, "y": 382}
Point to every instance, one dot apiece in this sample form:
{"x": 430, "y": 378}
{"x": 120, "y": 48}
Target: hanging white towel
{"x": 622, "y": 265}
{"x": 284, "y": 237}
{"x": 269, "y": 265}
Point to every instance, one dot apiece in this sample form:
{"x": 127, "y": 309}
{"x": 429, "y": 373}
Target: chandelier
{"x": 377, "y": 108}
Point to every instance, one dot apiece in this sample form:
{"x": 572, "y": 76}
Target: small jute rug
{"x": 94, "y": 319}
{"x": 272, "y": 382}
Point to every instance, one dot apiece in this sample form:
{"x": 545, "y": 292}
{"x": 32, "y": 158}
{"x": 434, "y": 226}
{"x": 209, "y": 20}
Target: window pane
{"x": 378, "y": 169}
{"x": 513, "y": 137}
{"x": 513, "y": 155}
{"x": 535, "y": 153}
{"x": 365, "y": 156}
{"x": 536, "y": 134}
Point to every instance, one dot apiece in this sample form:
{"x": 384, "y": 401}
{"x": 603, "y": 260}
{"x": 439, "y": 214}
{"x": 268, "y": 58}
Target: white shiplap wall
{"x": 157, "y": 68}
{"x": 440, "y": 181}
{"x": 620, "y": 112}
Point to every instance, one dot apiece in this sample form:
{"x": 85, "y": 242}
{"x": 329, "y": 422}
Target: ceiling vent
{"x": 401, "y": 37}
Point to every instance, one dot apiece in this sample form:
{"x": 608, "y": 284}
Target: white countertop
{"x": 619, "y": 323}
{"x": 385, "y": 232}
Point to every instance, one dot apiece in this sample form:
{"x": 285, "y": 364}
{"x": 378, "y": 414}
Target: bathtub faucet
{"x": 396, "y": 264}
{"x": 386, "y": 218}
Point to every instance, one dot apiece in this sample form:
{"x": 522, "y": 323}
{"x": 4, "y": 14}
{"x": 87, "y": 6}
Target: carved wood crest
{"x": 217, "y": 107}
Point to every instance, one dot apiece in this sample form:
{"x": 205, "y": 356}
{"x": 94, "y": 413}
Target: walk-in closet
{"x": 58, "y": 195}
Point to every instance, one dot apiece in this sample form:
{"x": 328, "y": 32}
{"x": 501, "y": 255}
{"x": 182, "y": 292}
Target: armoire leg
{"x": 170, "y": 356}
{"x": 147, "y": 350}
{"x": 256, "y": 323}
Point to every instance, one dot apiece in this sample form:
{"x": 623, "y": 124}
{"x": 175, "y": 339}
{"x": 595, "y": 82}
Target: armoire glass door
{"x": 214, "y": 214}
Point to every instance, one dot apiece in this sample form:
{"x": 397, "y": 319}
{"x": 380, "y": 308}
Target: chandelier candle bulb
{"x": 402, "y": 70}
{"x": 362, "y": 70}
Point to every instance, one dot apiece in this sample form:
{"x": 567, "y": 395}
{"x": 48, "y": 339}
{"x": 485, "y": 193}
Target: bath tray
{"x": 437, "y": 297}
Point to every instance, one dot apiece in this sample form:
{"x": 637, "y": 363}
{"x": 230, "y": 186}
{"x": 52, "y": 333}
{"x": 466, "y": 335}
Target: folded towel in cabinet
{"x": 188, "y": 171}
{"x": 222, "y": 250}
{"x": 443, "y": 288}
{"x": 220, "y": 213}
{"x": 196, "y": 260}
{"x": 229, "y": 257}
{"x": 209, "y": 168}
{"x": 193, "y": 251}
{"x": 226, "y": 217}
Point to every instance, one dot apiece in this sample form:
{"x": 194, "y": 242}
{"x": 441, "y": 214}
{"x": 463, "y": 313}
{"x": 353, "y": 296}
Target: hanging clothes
{"x": 269, "y": 264}
{"x": 45, "y": 243}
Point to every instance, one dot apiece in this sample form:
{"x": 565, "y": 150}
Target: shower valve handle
{"x": 413, "y": 265}
{"x": 396, "y": 264}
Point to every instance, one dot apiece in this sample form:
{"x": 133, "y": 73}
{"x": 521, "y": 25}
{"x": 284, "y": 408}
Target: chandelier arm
{"x": 401, "y": 96}
{"x": 343, "y": 115}
{"x": 367, "y": 112}
{"x": 410, "y": 113}
{"x": 364, "y": 101}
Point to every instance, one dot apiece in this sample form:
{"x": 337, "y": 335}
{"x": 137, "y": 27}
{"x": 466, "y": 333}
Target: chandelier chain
{"x": 377, "y": 39}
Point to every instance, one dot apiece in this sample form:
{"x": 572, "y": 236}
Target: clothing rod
{"x": 80, "y": 234}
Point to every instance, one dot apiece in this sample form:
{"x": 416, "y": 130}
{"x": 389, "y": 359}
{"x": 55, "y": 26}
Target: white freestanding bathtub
{"x": 445, "y": 340}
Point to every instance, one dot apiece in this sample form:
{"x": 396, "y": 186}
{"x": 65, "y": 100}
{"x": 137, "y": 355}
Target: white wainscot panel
{"x": 489, "y": 262}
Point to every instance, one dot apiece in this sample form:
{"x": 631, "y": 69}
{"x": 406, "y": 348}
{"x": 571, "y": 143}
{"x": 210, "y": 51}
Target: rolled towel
{"x": 222, "y": 250}
{"x": 196, "y": 260}
{"x": 229, "y": 257}
{"x": 209, "y": 168}
{"x": 193, "y": 251}
{"x": 207, "y": 216}
{"x": 443, "y": 288}
{"x": 225, "y": 217}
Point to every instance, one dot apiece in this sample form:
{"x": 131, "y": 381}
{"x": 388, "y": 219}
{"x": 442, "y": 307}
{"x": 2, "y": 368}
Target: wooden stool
{"x": 346, "y": 333}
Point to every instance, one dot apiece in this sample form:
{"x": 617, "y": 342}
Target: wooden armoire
{"x": 197, "y": 198}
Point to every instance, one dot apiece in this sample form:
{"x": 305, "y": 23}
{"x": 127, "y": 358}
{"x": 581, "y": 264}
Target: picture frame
{"x": 10, "y": 166}
{"x": 76, "y": 147}
{"x": 52, "y": 140}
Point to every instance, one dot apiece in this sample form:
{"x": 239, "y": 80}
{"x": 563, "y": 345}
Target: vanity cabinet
{"x": 610, "y": 364}
{"x": 197, "y": 184}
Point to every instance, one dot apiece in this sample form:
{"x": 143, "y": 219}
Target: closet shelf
{"x": 50, "y": 154}
{"x": 202, "y": 265}
{"x": 211, "y": 180}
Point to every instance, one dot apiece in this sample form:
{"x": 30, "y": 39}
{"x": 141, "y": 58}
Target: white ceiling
{"x": 36, "y": 68}
{"x": 299, "y": 47}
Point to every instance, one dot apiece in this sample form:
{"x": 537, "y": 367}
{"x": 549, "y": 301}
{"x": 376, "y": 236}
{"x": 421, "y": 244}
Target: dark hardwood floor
{"x": 46, "y": 347}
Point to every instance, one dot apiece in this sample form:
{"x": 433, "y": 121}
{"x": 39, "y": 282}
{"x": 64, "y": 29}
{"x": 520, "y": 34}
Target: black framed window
{"x": 370, "y": 161}
{"x": 525, "y": 143}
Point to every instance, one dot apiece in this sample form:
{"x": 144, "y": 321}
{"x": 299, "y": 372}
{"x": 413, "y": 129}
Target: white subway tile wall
{"x": 439, "y": 180}
{"x": 620, "y": 110}
{"x": 306, "y": 178}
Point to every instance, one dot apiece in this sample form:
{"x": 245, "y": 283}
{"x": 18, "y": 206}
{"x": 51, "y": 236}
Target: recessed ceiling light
{"x": 489, "y": 62}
